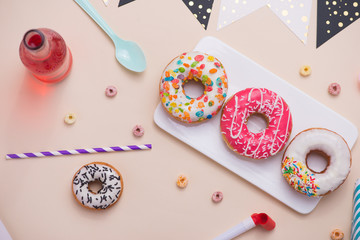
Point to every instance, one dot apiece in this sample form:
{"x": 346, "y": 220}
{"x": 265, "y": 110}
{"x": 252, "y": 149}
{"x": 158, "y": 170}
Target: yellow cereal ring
{"x": 305, "y": 70}
{"x": 70, "y": 118}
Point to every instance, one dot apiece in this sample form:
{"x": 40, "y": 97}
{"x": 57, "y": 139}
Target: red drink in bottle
{"x": 44, "y": 52}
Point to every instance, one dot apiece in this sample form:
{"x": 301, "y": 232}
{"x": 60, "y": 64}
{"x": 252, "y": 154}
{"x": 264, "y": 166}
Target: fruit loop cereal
{"x": 182, "y": 181}
{"x": 138, "y": 130}
{"x": 217, "y": 197}
{"x": 337, "y": 234}
{"x": 334, "y": 89}
{"x": 70, "y": 118}
{"x": 305, "y": 70}
{"x": 110, "y": 91}
{"x": 199, "y": 67}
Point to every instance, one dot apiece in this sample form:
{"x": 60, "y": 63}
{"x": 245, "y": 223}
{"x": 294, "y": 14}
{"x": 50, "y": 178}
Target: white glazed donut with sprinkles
{"x": 199, "y": 67}
{"x": 305, "y": 180}
{"x": 109, "y": 194}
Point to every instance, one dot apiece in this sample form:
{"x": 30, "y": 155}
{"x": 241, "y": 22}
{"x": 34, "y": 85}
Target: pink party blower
{"x": 256, "y": 219}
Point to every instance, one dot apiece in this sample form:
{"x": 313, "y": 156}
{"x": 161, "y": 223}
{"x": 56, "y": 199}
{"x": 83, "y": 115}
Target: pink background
{"x": 36, "y": 199}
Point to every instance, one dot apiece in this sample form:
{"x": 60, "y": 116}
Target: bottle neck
{"x": 36, "y": 44}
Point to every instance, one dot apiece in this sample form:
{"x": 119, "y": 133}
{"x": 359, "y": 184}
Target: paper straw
{"x": 355, "y": 228}
{"x": 79, "y": 151}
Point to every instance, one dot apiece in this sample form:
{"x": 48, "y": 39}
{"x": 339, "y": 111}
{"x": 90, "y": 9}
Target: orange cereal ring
{"x": 182, "y": 181}
{"x": 337, "y": 234}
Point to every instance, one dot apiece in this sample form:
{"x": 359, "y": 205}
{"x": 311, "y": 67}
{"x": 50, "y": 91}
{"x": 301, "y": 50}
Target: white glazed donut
{"x": 199, "y": 67}
{"x": 109, "y": 194}
{"x": 306, "y": 181}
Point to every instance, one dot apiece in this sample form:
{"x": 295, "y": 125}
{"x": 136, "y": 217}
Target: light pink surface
{"x": 36, "y": 198}
{"x": 240, "y": 107}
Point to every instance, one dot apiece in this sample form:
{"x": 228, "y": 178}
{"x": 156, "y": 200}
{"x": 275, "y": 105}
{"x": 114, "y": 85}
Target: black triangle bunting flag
{"x": 201, "y": 10}
{"x": 333, "y": 16}
{"x": 123, "y": 2}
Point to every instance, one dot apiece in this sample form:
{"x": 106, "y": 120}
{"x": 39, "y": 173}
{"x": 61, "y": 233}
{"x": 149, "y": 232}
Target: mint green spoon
{"x": 128, "y": 53}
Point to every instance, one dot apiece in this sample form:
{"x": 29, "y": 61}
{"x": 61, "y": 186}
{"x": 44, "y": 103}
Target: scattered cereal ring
{"x": 334, "y": 89}
{"x": 337, "y": 234}
{"x": 182, "y": 181}
{"x": 110, "y": 91}
{"x": 217, "y": 197}
{"x": 138, "y": 130}
{"x": 305, "y": 70}
{"x": 70, "y": 118}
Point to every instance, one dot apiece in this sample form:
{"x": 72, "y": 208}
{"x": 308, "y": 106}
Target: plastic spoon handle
{"x": 242, "y": 227}
{"x": 90, "y": 10}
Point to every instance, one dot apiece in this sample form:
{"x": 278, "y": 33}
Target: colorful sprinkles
{"x": 198, "y": 67}
{"x": 299, "y": 177}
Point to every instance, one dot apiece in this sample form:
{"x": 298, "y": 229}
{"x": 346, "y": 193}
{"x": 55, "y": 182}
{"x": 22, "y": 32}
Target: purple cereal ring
{"x": 217, "y": 196}
{"x": 138, "y": 130}
{"x": 334, "y": 89}
{"x": 110, "y": 91}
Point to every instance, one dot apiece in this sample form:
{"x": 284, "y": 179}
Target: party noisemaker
{"x": 257, "y": 219}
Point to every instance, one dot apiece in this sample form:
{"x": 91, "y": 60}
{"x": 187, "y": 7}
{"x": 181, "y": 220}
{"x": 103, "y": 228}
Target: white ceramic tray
{"x": 4, "y": 235}
{"x": 265, "y": 174}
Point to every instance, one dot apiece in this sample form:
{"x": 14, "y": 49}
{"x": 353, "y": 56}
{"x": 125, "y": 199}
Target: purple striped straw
{"x": 79, "y": 151}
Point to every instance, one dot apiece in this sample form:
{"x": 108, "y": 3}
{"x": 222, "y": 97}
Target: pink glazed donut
{"x": 236, "y": 113}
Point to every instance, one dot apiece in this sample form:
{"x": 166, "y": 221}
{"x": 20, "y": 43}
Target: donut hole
{"x": 257, "y": 122}
{"x": 95, "y": 186}
{"x": 317, "y": 161}
{"x": 194, "y": 88}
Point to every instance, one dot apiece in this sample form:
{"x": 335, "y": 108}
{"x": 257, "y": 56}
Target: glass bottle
{"x": 44, "y": 52}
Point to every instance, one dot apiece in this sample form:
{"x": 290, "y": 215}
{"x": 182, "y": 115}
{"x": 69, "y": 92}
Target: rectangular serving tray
{"x": 265, "y": 174}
